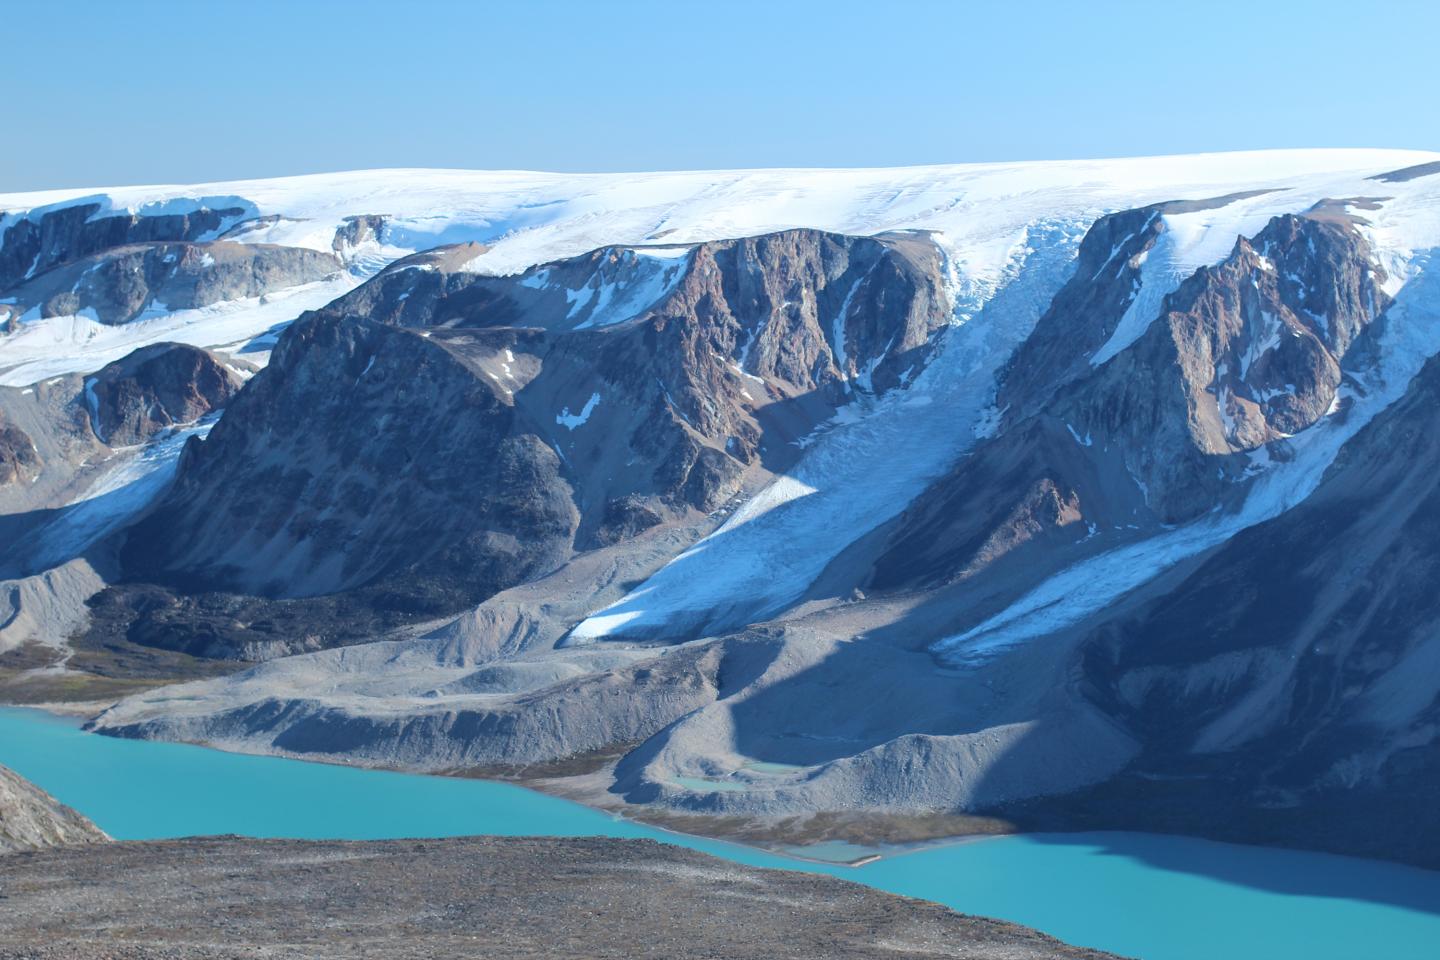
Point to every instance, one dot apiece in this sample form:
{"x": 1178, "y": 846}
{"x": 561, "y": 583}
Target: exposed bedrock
{"x": 1243, "y": 354}
{"x": 159, "y": 386}
{"x": 31, "y": 819}
{"x": 1296, "y": 665}
{"x": 1086, "y": 311}
{"x": 45, "y": 239}
{"x": 801, "y": 308}
{"x": 361, "y": 452}
{"x": 86, "y": 455}
{"x": 357, "y": 231}
{"x": 123, "y": 283}
{"x": 19, "y": 457}
{"x": 46, "y": 436}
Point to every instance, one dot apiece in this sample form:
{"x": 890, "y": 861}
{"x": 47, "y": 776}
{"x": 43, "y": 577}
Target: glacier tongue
{"x": 124, "y": 489}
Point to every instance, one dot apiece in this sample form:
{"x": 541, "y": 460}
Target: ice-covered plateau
{"x": 1075, "y": 494}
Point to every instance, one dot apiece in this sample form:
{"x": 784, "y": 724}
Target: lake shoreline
{"x": 1275, "y": 902}
{"x": 872, "y": 833}
{"x": 875, "y": 836}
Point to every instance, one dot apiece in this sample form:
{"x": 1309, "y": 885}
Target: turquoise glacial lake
{"x": 1142, "y": 895}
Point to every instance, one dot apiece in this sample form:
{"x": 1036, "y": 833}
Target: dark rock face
{"x": 1284, "y": 689}
{"x": 355, "y": 231}
{"x": 32, "y": 246}
{"x": 1239, "y": 356}
{"x": 1085, "y": 312}
{"x": 802, "y": 307}
{"x": 429, "y": 288}
{"x": 120, "y": 283}
{"x": 361, "y": 451}
{"x": 157, "y": 387}
{"x": 735, "y": 337}
{"x": 18, "y": 459}
{"x": 1280, "y": 686}
{"x": 810, "y": 310}
{"x": 1025, "y": 491}
{"x": 1409, "y": 173}
{"x": 415, "y": 448}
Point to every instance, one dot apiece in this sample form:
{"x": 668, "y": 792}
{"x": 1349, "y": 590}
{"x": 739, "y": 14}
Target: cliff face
{"x": 31, "y": 819}
{"x": 361, "y": 450}
{"x": 1243, "y": 353}
{"x": 120, "y": 284}
{"x": 1292, "y": 664}
{"x": 157, "y": 387}
{"x": 43, "y": 240}
{"x": 19, "y": 460}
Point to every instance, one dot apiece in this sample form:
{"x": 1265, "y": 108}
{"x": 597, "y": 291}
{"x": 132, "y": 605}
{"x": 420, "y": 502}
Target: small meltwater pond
{"x": 1141, "y": 895}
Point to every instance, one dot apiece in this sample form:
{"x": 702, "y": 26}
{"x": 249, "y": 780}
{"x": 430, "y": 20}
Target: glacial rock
{"x": 160, "y": 386}
{"x": 362, "y": 452}
{"x": 31, "y": 819}
{"x": 355, "y": 232}
{"x": 1244, "y": 352}
{"x": 46, "y": 238}
{"x": 1295, "y": 664}
{"x": 122, "y": 283}
{"x": 1086, "y": 311}
{"x": 19, "y": 459}
{"x": 46, "y": 441}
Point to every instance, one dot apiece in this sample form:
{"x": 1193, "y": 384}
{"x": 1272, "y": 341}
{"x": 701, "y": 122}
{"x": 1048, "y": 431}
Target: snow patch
{"x": 621, "y": 291}
{"x": 1085, "y": 442}
{"x": 570, "y": 421}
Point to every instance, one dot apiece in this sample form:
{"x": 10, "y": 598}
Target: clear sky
{"x": 107, "y": 92}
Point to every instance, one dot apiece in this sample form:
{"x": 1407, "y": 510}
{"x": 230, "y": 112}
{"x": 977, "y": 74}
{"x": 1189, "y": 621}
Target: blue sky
{"x": 104, "y": 93}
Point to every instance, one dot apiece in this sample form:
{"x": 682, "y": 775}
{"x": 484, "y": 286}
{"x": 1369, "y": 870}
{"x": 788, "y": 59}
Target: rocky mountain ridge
{"x": 551, "y": 494}
{"x": 347, "y": 479}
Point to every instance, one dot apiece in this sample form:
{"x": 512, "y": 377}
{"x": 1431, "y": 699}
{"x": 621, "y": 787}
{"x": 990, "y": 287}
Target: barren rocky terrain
{"x": 516, "y": 898}
{"x": 30, "y": 818}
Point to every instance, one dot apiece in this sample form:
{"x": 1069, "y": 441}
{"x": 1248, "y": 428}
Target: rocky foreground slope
{"x": 67, "y": 892}
{"x": 507, "y": 898}
{"x": 31, "y": 819}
